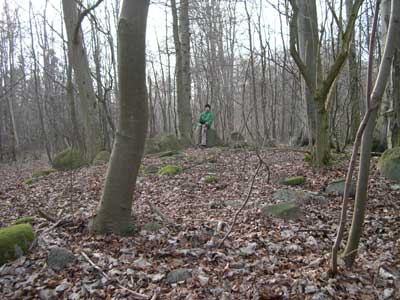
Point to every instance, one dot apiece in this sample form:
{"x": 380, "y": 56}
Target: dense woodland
{"x": 98, "y": 131}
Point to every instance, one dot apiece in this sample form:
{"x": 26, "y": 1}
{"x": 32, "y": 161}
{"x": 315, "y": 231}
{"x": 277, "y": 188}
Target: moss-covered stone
{"x": 69, "y": 159}
{"x": 37, "y": 174}
{"x": 389, "y": 164}
{"x": 101, "y": 158}
{"x": 30, "y": 181}
{"x": 296, "y": 180}
{"x": 41, "y": 173}
{"x": 210, "y": 179}
{"x": 168, "y": 153}
{"x": 152, "y": 227}
{"x": 284, "y": 210}
{"x": 15, "y": 241}
{"x": 170, "y": 170}
{"x": 162, "y": 143}
{"x": 25, "y": 220}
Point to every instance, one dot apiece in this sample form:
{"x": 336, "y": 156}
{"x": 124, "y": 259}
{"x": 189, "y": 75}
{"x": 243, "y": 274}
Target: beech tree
{"x": 183, "y": 81}
{"x": 79, "y": 60}
{"x": 114, "y": 213}
{"x": 305, "y": 50}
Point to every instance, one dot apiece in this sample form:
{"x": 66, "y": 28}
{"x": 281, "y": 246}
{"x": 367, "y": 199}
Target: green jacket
{"x": 207, "y": 118}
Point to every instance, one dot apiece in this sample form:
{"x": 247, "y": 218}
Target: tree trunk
{"x": 353, "y": 241}
{"x": 182, "y": 49}
{"x": 353, "y": 80}
{"x": 79, "y": 60}
{"x": 307, "y": 24}
{"x": 115, "y": 208}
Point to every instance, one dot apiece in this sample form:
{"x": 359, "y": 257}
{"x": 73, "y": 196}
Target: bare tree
{"x": 115, "y": 208}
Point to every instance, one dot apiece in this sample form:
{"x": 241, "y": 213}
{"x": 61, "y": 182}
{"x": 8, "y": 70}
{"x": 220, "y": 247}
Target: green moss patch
{"x": 15, "y": 241}
{"x": 296, "y": 180}
{"x": 69, "y": 159}
{"x": 284, "y": 210}
{"x": 389, "y": 164}
{"x": 101, "y": 158}
{"x": 25, "y": 220}
{"x": 210, "y": 179}
{"x": 170, "y": 170}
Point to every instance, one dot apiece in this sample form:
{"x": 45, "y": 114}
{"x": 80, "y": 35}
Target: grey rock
{"x": 59, "y": 258}
{"x": 178, "y": 275}
{"x": 284, "y": 210}
{"x": 47, "y": 294}
{"x": 62, "y": 287}
{"x": 152, "y": 227}
{"x": 301, "y": 197}
{"x": 338, "y": 187}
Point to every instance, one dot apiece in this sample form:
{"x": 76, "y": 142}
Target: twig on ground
{"x": 46, "y": 216}
{"x": 134, "y": 294}
{"x": 260, "y": 163}
{"x": 158, "y": 212}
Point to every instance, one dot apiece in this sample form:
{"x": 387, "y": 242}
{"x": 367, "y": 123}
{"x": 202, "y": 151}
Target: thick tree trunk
{"x": 182, "y": 49}
{"x": 114, "y": 213}
{"x": 353, "y": 241}
{"x": 307, "y": 26}
{"x": 79, "y": 60}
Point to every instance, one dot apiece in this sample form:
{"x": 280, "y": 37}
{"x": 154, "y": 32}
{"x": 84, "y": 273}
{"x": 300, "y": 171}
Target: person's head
{"x": 207, "y": 107}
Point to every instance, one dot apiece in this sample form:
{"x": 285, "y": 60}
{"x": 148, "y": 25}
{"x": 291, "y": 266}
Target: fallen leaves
{"x": 263, "y": 258}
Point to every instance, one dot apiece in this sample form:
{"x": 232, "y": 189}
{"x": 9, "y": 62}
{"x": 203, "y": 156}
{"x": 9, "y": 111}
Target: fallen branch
{"x": 243, "y": 205}
{"x": 46, "y": 216}
{"x": 158, "y": 212}
{"x": 134, "y": 294}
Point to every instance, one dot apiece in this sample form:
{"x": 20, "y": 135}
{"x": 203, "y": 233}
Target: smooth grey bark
{"x": 114, "y": 213}
{"x": 356, "y": 229}
{"x": 80, "y": 63}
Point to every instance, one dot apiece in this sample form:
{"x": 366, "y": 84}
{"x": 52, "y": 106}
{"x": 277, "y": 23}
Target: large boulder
{"x": 15, "y": 241}
{"x": 162, "y": 143}
{"x": 213, "y": 140}
{"x": 69, "y": 159}
{"x": 389, "y": 164}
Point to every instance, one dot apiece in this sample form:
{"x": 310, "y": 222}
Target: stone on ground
{"x": 15, "y": 241}
{"x": 169, "y": 170}
{"x": 152, "y": 227}
{"x": 213, "y": 140}
{"x": 284, "y": 210}
{"x": 337, "y": 187}
{"x": 162, "y": 143}
{"x": 59, "y": 258}
{"x": 69, "y": 159}
{"x": 389, "y": 164}
{"x": 178, "y": 275}
{"x": 296, "y": 180}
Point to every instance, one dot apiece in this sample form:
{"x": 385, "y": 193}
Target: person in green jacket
{"x": 204, "y": 124}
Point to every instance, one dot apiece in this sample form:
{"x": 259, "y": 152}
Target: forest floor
{"x": 263, "y": 258}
